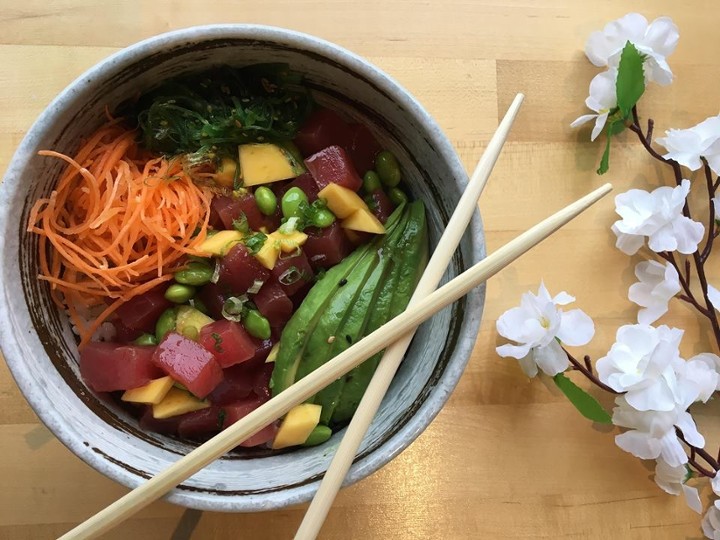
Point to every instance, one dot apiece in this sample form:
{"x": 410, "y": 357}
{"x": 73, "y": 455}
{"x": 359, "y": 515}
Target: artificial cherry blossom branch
{"x": 588, "y": 372}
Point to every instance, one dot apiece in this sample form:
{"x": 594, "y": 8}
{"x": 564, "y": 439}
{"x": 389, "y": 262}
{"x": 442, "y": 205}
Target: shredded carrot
{"x": 119, "y": 223}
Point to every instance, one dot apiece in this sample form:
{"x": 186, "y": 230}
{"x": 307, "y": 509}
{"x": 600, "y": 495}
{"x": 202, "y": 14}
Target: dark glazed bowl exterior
{"x": 40, "y": 349}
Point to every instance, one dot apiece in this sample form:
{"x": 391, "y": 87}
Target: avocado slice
{"x": 263, "y": 163}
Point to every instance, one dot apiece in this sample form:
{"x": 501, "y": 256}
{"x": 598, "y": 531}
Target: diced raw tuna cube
{"x": 380, "y": 205}
{"x": 238, "y": 383}
{"x": 305, "y": 182}
{"x": 292, "y": 273}
{"x": 230, "y": 209}
{"x": 213, "y": 296}
{"x": 236, "y": 411}
{"x": 142, "y": 312}
{"x": 322, "y": 129}
{"x": 261, "y": 352}
{"x": 326, "y": 247}
{"x": 273, "y": 304}
{"x": 228, "y": 342}
{"x": 300, "y": 295}
{"x": 362, "y": 148}
{"x": 123, "y": 334}
{"x": 107, "y": 367}
{"x": 262, "y": 381}
{"x": 166, "y": 426}
{"x": 189, "y": 363}
{"x": 332, "y": 165}
{"x": 202, "y": 422}
{"x": 239, "y": 270}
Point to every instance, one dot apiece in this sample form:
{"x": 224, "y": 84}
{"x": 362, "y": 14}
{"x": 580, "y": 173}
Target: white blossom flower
{"x": 536, "y": 324}
{"x": 656, "y": 41}
{"x": 652, "y": 435}
{"x": 716, "y": 203}
{"x": 687, "y": 146}
{"x": 657, "y": 215}
{"x": 714, "y": 296}
{"x": 640, "y": 363}
{"x": 711, "y": 522}
{"x": 672, "y": 480}
{"x": 712, "y": 361}
{"x": 602, "y": 99}
{"x": 658, "y": 284}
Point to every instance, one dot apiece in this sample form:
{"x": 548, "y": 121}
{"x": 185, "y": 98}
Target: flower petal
{"x": 599, "y": 125}
{"x": 551, "y": 359}
{"x": 662, "y": 36}
{"x": 692, "y": 498}
{"x": 638, "y": 444}
{"x": 513, "y": 351}
{"x": 584, "y": 119}
{"x": 714, "y": 296}
{"x": 576, "y": 328}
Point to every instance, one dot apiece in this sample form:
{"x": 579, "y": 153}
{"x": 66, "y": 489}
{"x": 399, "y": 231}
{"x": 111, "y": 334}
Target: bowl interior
{"x": 40, "y": 348}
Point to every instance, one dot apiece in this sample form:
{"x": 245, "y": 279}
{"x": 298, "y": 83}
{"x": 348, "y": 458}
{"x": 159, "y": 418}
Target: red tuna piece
{"x": 239, "y": 270}
{"x": 326, "y": 247}
{"x": 292, "y": 273}
{"x": 202, "y": 422}
{"x": 239, "y": 410}
{"x": 107, "y": 367}
{"x": 142, "y": 311}
{"x": 189, "y": 363}
{"x": 230, "y": 209}
{"x": 228, "y": 341}
{"x": 362, "y": 148}
{"x": 380, "y": 205}
{"x": 166, "y": 426}
{"x": 322, "y": 129}
{"x": 213, "y": 297}
{"x": 305, "y": 182}
{"x": 273, "y": 304}
{"x": 333, "y": 166}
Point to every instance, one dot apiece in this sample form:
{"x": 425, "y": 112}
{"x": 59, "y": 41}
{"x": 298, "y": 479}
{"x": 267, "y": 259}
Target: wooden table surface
{"x": 507, "y": 457}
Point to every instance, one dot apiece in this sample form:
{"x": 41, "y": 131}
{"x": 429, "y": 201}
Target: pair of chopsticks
{"x": 424, "y": 304}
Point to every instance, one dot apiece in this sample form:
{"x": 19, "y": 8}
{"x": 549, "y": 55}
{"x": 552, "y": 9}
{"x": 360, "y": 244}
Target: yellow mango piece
{"x": 177, "y": 402}
{"x": 341, "y": 201}
{"x": 297, "y": 425}
{"x": 363, "y": 220}
{"x": 220, "y": 243}
{"x": 152, "y": 393}
{"x": 189, "y": 321}
{"x": 225, "y": 174}
{"x": 268, "y": 254}
{"x": 265, "y": 163}
{"x": 289, "y": 242}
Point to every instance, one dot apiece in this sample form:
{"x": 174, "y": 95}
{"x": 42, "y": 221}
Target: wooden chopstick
{"x": 270, "y": 411}
{"x": 388, "y": 366}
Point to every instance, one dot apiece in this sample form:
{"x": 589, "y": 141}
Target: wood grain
{"x": 507, "y": 457}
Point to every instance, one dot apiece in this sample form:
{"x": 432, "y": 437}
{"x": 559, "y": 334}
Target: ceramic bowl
{"x": 41, "y": 351}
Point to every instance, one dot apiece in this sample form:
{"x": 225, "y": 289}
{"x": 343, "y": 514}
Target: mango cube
{"x": 177, "y": 402}
{"x": 265, "y": 163}
{"x": 297, "y": 425}
{"x": 151, "y": 393}
{"x": 341, "y": 201}
{"x": 363, "y": 220}
{"x": 220, "y": 243}
{"x": 289, "y": 242}
{"x": 268, "y": 254}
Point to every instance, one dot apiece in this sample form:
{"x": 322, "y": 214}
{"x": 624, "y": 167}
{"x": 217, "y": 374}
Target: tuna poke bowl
{"x": 227, "y": 223}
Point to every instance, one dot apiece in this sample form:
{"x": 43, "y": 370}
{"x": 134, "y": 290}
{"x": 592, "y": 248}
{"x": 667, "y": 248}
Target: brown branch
{"x": 589, "y": 374}
{"x": 694, "y": 450}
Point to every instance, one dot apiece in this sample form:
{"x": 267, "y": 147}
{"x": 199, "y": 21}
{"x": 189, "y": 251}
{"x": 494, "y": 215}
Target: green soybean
{"x": 266, "y": 200}
{"x": 291, "y": 202}
{"x": 256, "y": 325}
{"x": 195, "y": 274}
{"x": 179, "y": 294}
{"x": 146, "y": 339}
{"x": 388, "y": 168}
{"x": 397, "y": 196}
{"x": 318, "y": 436}
{"x": 323, "y": 218}
{"x": 371, "y": 182}
{"x": 165, "y": 324}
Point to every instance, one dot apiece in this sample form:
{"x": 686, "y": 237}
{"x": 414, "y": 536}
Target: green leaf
{"x": 614, "y": 127}
{"x": 630, "y": 83}
{"x": 584, "y": 402}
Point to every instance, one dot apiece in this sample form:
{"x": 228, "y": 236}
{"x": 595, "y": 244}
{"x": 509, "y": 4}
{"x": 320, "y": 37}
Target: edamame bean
{"x": 291, "y": 201}
{"x": 388, "y": 168}
{"x": 195, "y": 274}
{"x": 371, "y": 182}
{"x": 318, "y": 436}
{"x": 266, "y": 200}
{"x": 179, "y": 294}
{"x": 256, "y": 325}
{"x": 146, "y": 339}
{"x": 323, "y": 218}
{"x": 165, "y": 324}
{"x": 397, "y": 196}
